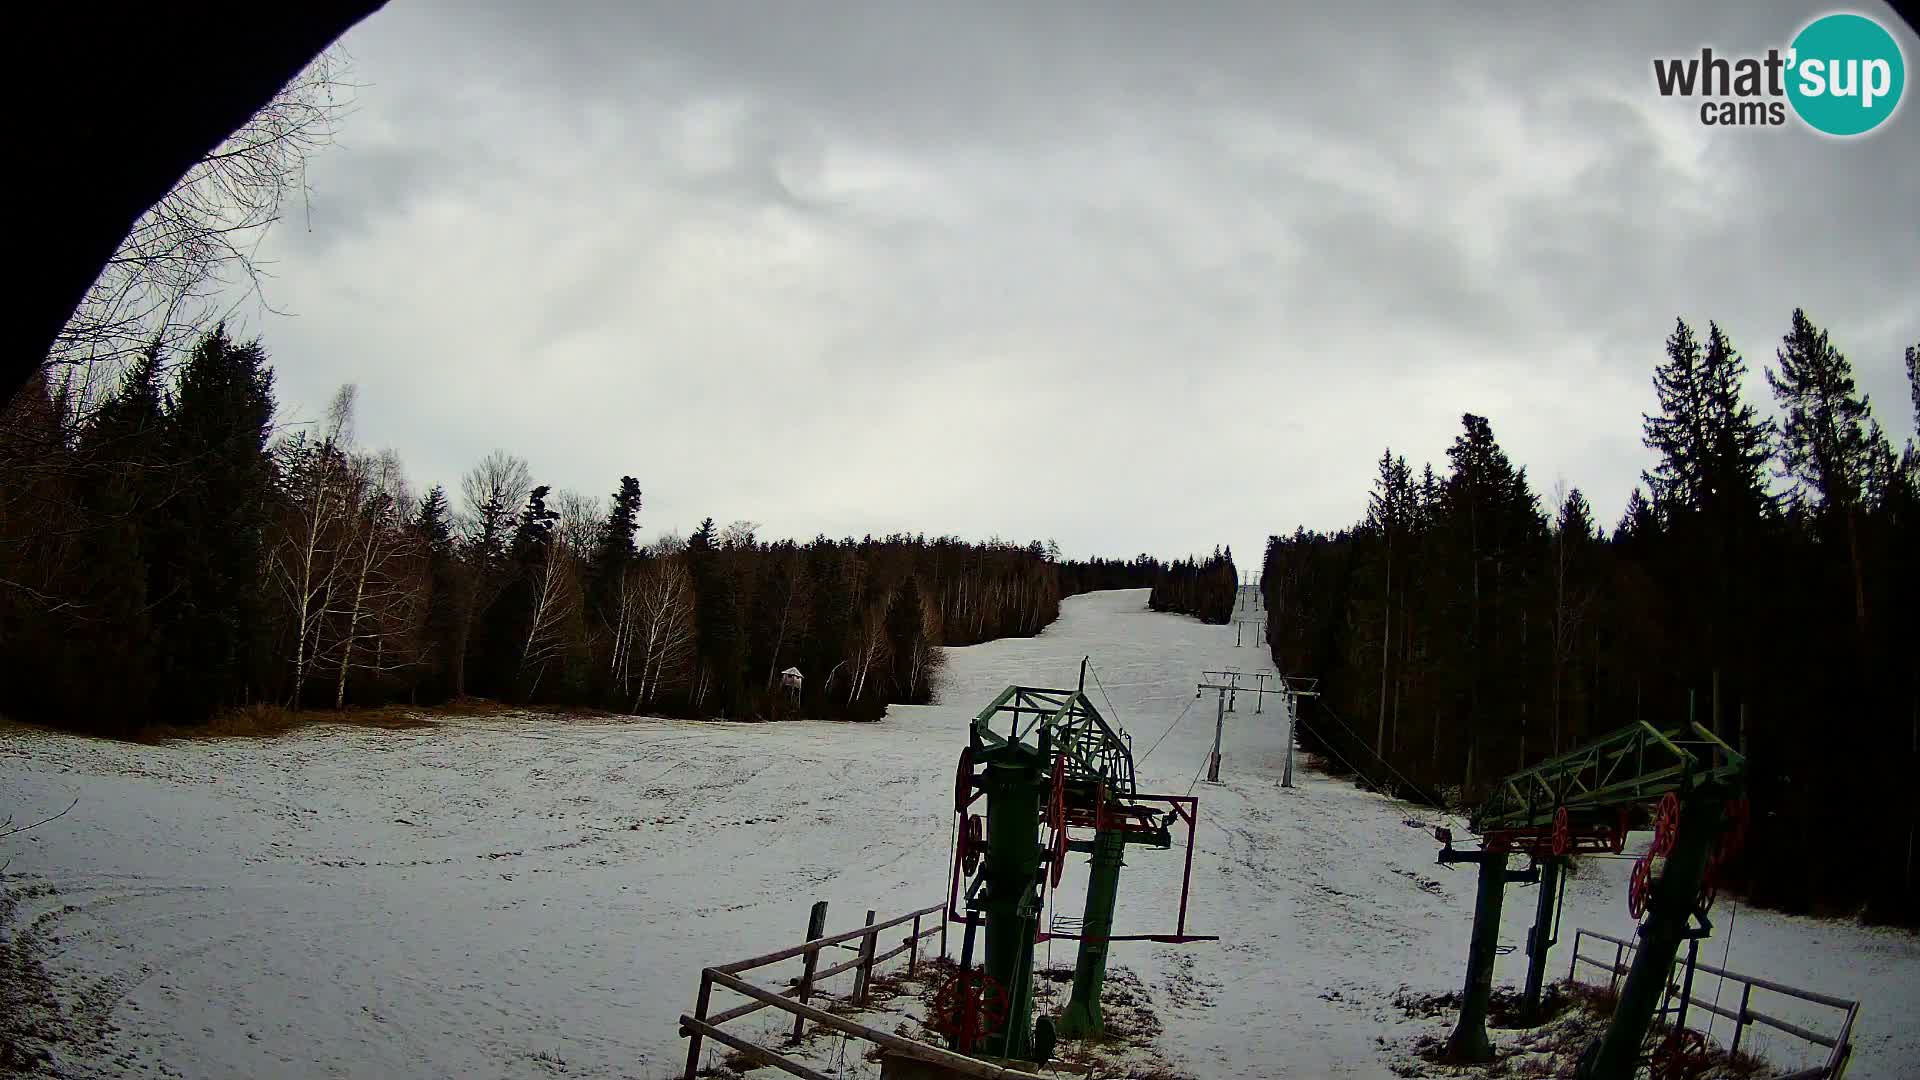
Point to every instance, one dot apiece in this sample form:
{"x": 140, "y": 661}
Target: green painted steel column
{"x": 1540, "y": 941}
{"x": 1668, "y": 910}
{"x": 1011, "y": 907}
{"x": 1082, "y": 1017}
{"x": 1469, "y": 1041}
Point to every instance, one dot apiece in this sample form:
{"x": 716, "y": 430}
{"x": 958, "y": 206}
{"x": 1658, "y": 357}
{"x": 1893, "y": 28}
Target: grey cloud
{"x": 1136, "y": 276}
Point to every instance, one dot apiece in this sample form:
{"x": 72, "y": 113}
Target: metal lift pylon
{"x": 1058, "y": 763}
{"x": 1584, "y": 801}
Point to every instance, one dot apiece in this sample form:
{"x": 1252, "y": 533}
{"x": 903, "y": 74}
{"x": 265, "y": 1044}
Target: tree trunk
{"x": 1386, "y": 640}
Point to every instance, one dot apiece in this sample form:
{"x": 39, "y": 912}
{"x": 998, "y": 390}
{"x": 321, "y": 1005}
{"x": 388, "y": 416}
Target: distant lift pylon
{"x": 1057, "y": 763}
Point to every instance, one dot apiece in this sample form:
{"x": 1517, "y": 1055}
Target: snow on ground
{"x": 535, "y": 896}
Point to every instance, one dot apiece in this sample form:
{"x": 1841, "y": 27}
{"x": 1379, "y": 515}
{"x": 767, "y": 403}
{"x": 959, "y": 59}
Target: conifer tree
{"x": 209, "y": 607}
{"x": 1829, "y": 446}
{"x": 433, "y": 522}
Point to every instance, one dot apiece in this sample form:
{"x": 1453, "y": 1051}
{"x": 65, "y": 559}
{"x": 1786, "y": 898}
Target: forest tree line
{"x": 168, "y": 552}
{"x": 1762, "y": 580}
{"x": 1203, "y": 588}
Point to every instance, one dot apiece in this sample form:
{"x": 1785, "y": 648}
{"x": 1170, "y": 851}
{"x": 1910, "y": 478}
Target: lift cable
{"x": 1169, "y": 731}
{"x": 1415, "y": 788}
{"x": 1725, "y": 955}
{"x": 1095, "y": 672}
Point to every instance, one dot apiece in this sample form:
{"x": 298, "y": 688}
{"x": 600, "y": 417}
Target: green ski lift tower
{"x": 1055, "y": 778}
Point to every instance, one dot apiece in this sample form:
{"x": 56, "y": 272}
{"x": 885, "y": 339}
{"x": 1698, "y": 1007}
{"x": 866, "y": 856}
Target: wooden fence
{"x": 1839, "y": 1045}
{"x": 703, "y": 1025}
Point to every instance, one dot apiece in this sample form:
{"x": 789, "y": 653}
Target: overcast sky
{"x": 1137, "y": 277}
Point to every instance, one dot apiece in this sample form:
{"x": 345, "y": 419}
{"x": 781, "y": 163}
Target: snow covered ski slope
{"x": 529, "y": 896}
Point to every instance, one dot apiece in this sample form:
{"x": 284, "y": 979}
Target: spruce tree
{"x": 717, "y": 619}
{"x": 120, "y": 486}
{"x": 1829, "y": 445}
{"x": 614, "y": 551}
{"x": 509, "y": 619}
{"x": 433, "y": 523}
{"x": 906, "y": 633}
{"x": 209, "y": 606}
{"x": 829, "y": 627}
{"x": 1824, "y": 441}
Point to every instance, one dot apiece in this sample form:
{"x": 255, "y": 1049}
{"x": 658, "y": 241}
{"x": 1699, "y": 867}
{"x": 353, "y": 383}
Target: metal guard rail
{"x": 1839, "y": 1045}
{"x": 699, "y": 1025}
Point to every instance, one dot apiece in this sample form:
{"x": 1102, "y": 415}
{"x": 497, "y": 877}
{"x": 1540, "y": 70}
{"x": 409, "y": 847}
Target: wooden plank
{"x": 817, "y": 944}
{"x": 959, "y": 1063}
{"x": 864, "y": 974}
{"x": 758, "y": 1054}
{"x": 750, "y": 1007}
{"x": 816, "y": 922}
{"x": 837, "y": 969}
{"x": 699, "y": 1009}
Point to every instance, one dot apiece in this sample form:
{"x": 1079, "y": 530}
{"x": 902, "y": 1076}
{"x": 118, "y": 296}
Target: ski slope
{"x": 532, "y": 896}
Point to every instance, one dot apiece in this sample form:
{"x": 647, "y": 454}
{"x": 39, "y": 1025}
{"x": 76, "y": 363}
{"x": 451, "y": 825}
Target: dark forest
{"x": 167, "y": 554}
{"x": 1762, "y": 580}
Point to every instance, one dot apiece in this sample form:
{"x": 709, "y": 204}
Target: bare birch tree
{"x": 493, "y": 492}
{"x": 556, "y": 603}
{"x": 663, "y": 623}
{"x": 870, "y": 648}
{"x": 186, "y": 259}
{"x": 373, "y": 585}
{"x": 303, "y": 562}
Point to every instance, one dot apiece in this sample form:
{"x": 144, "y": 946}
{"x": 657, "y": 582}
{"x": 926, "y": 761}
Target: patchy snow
{"x": 532, "y": 896}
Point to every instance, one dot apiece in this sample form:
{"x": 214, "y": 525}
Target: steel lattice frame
{"x": 1095, "y": 752}
{"x": 1632, "y": 765}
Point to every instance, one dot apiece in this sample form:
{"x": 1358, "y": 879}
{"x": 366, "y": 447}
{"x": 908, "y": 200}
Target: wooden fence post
{"x": 864, "y": 973}
{"x": 816, "y": 927}
{"x": 913, "y": 946}
{"x": 699, "y": 1013}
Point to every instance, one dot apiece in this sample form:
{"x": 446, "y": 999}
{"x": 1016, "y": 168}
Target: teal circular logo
{"x": 1845, "y": 74}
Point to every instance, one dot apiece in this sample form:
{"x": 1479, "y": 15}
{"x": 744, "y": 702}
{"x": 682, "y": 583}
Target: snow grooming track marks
{"x": 325, "y": 904}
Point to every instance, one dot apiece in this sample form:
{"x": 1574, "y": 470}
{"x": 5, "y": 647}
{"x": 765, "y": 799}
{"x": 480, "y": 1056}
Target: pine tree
{"x": 511, "y": 618}
{"x": 1829, "y": 445}
{"x": 209, "y": 605}
{"x": 906, "y": 635}
{"x": 120, "y": 486}
{"x": 829, "y": 628}
{"x": 1638, "y": 523}
{"x": 1493, "y": 523}
{"x": 1710, "y": 488}
{"x": 1823, "y": 434}
{"x": 1913, "y": 380}
{"x": 615, "y": 549}
{"x": 433, "y": 522}
{"x": 717, "y": 617}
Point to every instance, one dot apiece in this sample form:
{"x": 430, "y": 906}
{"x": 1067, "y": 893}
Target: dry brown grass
{"x": 262, "y": 721}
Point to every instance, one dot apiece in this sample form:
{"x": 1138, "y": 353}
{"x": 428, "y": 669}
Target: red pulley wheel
{"x": 1639, "y": 885}
{"x": 1666, "y": 824}
{"x": 1057, "y": 800}
{"x": 963, "y": 781}
{"x": 1058, "y": 856}
{"x": 970, "y": 1006}
{"x": 1562, "y": 832}
{"x": 972, "y": 844}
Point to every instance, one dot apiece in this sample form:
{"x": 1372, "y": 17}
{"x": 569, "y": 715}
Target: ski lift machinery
{"x": 1054, "y": 763}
